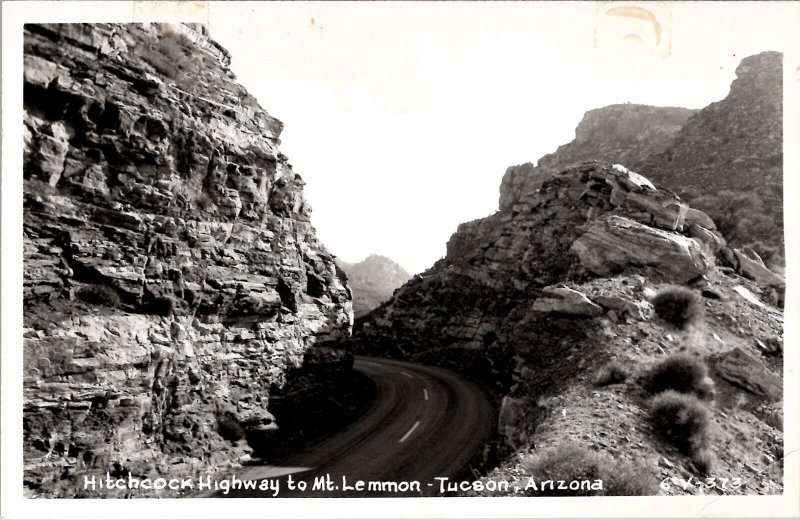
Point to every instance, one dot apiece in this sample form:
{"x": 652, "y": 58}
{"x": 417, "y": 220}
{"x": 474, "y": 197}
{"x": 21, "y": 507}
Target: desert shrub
{"x": 611, "y": 373}
{"x": 229, "y": 428}
{"x": 704, "y": 461}
{"x": 767, "y": 252}
{"x": 97, "y": 294}
{"x": 680, "y": 372}
{"x": 160, "y": 306}
{"x": 628, "y": 479}
{"x": 683, "y": 420}
{"x": 709, "y": 252}
{"x": 737, "y": 214}
{"x": 680, "y": 306}
{"x": 571, "y": 462}
{"x": 173, "y": 55}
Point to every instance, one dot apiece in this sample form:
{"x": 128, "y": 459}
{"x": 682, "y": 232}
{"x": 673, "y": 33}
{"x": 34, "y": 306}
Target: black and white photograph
{"x": 546, "y": 262}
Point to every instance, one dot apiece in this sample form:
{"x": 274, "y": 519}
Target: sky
{"x": 403, "y": 117}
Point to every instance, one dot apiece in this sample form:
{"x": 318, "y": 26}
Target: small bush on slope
{"x": 611, "y": 373}
{"x": 682, "y": 373}
{"x": 684, "y": 421}
{"x": 703, "y": 461}
{"x": 169, "y": 55}
{"x": 679, "y": 306}
{"x": 571, "y": 462}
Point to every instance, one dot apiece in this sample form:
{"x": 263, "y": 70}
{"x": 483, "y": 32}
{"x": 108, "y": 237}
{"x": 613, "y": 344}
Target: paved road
{"x": 425, "y": 422}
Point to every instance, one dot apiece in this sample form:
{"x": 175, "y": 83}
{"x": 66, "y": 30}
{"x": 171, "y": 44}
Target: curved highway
{"x": 425, "y": 422}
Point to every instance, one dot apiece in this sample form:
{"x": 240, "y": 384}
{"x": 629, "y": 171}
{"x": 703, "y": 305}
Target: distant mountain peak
{"x": 373, "y": 280}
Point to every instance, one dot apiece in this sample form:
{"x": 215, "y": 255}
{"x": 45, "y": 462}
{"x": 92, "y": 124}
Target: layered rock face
{"x": 734, "y": 144}
{"x": 373, "y": 280}
{"x": 172, "y": 275}
{"x": 625, "y": 134}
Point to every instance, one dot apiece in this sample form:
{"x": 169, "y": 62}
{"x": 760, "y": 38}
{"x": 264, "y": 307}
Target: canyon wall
{"x": 172, "y": 276}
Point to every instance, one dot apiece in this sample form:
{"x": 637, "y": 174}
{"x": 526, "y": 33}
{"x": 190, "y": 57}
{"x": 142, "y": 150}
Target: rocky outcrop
{"x": 750, "y": 265}
{"x": 625, "y": 134}
{"x": 172, "y": 276}
{"x": 594, "y": 219}
{"x": 747, "y": 372}
{"x": 735, "y": 143}
{"x": 373, "y": 280}
{"x": 534, "y": 302}
{"x": 564, "y": 300}
{"x": 613, "y": 244}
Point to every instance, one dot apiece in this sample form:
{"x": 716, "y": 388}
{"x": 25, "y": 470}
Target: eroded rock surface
{"x": 172, "y": 275}
{"x": 747, "y": 372}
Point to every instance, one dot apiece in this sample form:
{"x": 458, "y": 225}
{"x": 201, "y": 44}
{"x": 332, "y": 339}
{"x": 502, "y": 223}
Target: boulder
{"x": 566, "y": 301}
{"x": 614, "y": 244}
{"x": 772, "y": 346}
{"x": 513, "y": 419}
{"x": 706, "y": 236}
{"x": 666, "y": 213}
{"x": 622, "y": 305}
{"x": 751, "y": 266}
{"x": 633, "y": 193}
{"x": 745, "y": 293}
{"x": 746, "y": 372}
{"x": 632, "y": 179}
{"x": 700, "y": 218}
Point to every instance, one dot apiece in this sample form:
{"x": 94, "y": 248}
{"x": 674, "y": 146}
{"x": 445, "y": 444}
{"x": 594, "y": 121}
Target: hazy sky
{"x": 402, "y": 118}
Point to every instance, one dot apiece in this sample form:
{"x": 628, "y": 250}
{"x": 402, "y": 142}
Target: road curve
{"x": 424, "y": 422}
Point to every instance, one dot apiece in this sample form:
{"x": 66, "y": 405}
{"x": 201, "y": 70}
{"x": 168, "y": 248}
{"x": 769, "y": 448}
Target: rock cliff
{"x": 373, "y": 280}
{"x": 172, "y": 275}
{"x": 734, "y": 144}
